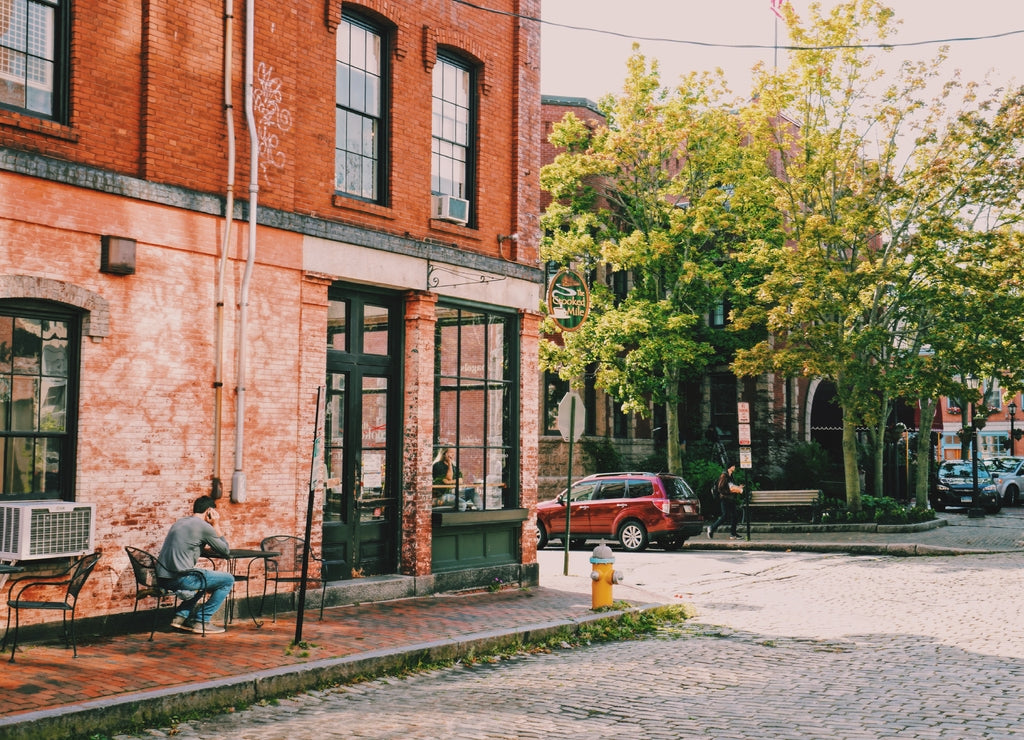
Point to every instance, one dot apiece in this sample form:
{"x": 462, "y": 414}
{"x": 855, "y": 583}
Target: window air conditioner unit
{"x": 32, "y": 530}
{"x": 450, "y": 208}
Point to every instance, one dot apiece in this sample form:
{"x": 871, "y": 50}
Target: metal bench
{"x": 810, "y": 498}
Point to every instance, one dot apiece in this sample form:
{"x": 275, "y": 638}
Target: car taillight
{"x": 665, "y": 505}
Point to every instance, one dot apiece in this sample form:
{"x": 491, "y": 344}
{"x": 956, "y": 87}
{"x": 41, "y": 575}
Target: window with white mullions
{"x": 452, "y": 128}
{"x": 32, "y": 51}
{"x": 359, "y": 112}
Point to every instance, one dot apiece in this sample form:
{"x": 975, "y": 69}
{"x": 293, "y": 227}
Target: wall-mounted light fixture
{"x": 117, "y": 255}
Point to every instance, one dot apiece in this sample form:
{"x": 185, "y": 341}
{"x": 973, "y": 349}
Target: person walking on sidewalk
{"x": 729, "y": 493}
{"x": 180, "y": 553}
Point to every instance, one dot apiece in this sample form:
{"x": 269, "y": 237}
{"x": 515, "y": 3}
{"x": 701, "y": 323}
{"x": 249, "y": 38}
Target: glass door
{"x": 362, "y": 434}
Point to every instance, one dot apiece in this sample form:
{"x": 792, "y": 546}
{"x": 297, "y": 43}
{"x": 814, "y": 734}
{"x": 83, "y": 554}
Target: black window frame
{"x": 381, "y": 136}
{"x": 62, "y": 485}
{"x": 452, "y": 314}
{"x": 61, "y": 48}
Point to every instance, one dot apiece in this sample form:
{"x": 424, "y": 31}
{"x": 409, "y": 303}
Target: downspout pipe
{"x": 216, "y": 488}
{"x": 238, "y": 493}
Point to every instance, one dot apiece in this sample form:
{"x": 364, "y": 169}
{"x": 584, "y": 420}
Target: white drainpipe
{"x": 238, "y": 493}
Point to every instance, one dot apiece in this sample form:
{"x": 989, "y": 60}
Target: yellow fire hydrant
{"x": 603, "y": 576}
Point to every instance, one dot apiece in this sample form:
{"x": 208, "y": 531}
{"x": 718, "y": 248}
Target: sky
{"x": 587, "y": 64}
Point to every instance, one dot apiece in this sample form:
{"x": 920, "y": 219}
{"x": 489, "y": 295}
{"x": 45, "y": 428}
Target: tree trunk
{"x": 924, "y": 452}
{"x": 878, "y": 457}
{"x": 850, "y": 461}
{"x": 673, "y": 458}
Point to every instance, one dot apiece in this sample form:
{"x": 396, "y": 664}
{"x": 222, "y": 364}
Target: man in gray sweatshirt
{"x": 176, "y": 568}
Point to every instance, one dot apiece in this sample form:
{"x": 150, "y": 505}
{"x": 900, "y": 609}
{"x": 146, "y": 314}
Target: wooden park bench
{"x": 806, "y": 498}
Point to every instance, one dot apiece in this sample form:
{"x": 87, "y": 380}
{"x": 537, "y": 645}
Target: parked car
{"x": 634, "y": 508}
{"x": 1009, "y": 475}
{"x": 953, "y": 486}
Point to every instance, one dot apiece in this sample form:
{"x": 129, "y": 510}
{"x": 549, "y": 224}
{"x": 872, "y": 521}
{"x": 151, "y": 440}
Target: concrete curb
{"x": 155, "y": 707}
{"x": 771, "y": 528}
{"x": 848, "y": 548}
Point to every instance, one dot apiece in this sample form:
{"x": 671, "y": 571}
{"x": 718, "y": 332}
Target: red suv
{"x": 634, "y": 508}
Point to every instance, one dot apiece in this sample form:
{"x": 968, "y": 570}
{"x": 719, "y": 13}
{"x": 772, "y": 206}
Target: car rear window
{"x": 640, "y": 488}
{"x": 677, "y": 488}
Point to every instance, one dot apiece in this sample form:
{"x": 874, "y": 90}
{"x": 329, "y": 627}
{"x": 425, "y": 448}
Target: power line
{"x": 713, "y": 45}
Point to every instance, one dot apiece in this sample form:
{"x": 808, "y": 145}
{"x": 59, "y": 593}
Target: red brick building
{"x": 155, "y": 348}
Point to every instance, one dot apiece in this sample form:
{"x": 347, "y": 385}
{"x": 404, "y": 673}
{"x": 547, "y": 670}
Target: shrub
{"x": 604, "y": 458}
{"x": 806, "y": 466}
{"x": 880, "y": 510}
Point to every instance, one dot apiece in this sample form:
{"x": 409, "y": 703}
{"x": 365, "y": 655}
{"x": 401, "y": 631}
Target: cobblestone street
{"x": 785, "y": 645}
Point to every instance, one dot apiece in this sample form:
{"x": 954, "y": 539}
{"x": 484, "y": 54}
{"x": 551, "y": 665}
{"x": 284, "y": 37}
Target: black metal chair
{"x": 148, "y": 586}
{"x": 287, "y": 567}
{"x": 72, "y": 578}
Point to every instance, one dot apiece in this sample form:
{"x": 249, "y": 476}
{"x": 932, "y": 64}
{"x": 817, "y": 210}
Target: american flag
{"x": 777, "y": 6}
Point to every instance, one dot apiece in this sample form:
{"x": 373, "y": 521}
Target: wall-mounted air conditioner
{"x": 32, "y": 530}
{"x": 450, "y": 208}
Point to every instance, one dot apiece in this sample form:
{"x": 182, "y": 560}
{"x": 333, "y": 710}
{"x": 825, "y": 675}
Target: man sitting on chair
{"x": 180, "y": 553}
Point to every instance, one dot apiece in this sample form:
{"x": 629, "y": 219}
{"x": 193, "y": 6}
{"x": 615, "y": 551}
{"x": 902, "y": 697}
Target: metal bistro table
{"x": 231, "y": 559}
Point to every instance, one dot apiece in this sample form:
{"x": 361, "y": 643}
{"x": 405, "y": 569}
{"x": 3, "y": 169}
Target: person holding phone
{"x": 179, "y": 555}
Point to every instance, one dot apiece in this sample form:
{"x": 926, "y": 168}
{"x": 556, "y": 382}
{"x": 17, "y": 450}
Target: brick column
{"x": 529, "y": 403}
{"x": 418, "y": 431}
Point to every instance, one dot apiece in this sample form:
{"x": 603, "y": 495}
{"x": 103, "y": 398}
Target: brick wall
{"x": 147, "y": 104}
{"x": 147, "y": 101}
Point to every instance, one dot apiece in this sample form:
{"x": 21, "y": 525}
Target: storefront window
{"x": 475, "y": 401}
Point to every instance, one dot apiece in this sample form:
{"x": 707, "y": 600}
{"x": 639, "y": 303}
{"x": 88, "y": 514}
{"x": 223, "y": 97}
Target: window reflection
{"x": 473, "y": 410}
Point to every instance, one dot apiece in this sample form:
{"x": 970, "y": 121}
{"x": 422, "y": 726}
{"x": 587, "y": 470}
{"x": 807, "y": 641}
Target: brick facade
{"x": 143, "y": 155}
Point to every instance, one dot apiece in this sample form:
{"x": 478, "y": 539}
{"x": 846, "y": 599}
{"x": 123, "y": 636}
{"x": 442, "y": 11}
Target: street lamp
{"x": 1012, "y": 408}
{"x": 976, "y": 510}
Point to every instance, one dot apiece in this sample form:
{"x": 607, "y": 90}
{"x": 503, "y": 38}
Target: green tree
{"x": 658, "y": 193}
{"x": 897, "y": 267}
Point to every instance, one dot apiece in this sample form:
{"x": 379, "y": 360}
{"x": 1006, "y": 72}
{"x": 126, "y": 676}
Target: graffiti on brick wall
{"x": 272, "y": 119}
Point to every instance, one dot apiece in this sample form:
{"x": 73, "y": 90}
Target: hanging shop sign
{"x": 568, "y": 300}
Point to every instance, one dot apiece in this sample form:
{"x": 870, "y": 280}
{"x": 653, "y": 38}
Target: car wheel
{"x": 577, "y": 543}
{"x": 1012, "y": 497}
{"x": 542, "y": 536}
{"x": 633, "y": 536}
{"x": 673, "y": 543}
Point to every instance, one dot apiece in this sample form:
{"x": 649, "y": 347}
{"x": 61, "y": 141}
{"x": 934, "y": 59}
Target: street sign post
{"x": 571, "y": 421}
{"x": 743, "y": 429}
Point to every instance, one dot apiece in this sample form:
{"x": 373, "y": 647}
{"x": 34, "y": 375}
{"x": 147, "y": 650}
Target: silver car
{"x": 1009, "y": 475}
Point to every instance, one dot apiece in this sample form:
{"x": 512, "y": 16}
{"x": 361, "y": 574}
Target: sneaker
{"x": 209, "y": 628}
{"x": 710, "y": 533}
{"x": 181, "y": 623}
{"x": 735, "y": 537}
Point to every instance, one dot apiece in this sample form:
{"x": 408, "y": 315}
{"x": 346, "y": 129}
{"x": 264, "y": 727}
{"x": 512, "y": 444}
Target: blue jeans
{"x": 730, "y": 515}
{"x": 218, "y": 584}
